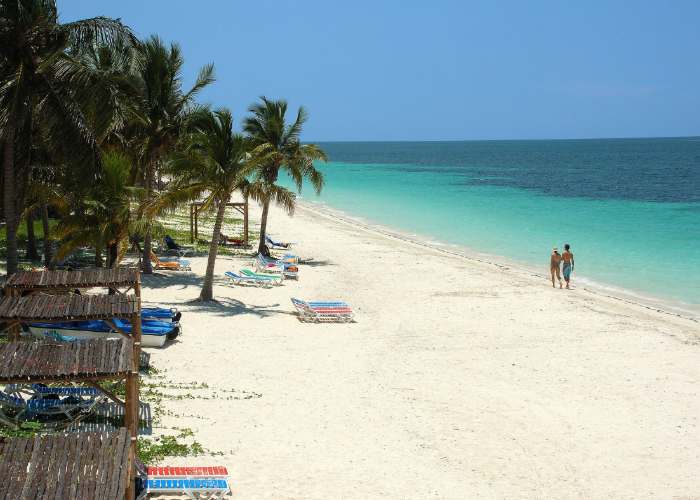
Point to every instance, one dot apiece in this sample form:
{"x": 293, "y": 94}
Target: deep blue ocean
{"x": 629, "y": 208}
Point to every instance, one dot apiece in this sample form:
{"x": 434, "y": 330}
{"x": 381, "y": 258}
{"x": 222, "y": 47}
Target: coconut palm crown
{"x": 161, "y": 110}
{"x": 212, "y": 166}
{"x": 42, "y": 88}
{"x": 277, "y": 148}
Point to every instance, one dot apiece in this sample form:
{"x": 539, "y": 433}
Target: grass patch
{"x": 153, "y": 451}
{"x": 22, "y": 236}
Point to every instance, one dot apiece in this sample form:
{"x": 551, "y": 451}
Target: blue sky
{"x": 439, "y": 70}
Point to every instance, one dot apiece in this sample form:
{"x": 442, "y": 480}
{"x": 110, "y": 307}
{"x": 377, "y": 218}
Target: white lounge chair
{"x": 237, "y": 279}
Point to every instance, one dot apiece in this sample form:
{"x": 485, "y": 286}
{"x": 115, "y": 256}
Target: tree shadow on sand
{"x": 175, "y": 280}
{"x": 316, "y": 263}
{"x": 224, "y": 306}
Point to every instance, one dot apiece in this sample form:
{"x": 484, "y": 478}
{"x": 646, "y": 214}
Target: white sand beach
{"x": 458, "y": 379}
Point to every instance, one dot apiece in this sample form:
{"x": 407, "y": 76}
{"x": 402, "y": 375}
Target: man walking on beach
{"x": 568, "y": 258}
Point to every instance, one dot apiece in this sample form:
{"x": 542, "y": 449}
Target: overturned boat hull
{"x": 153, "y": 333}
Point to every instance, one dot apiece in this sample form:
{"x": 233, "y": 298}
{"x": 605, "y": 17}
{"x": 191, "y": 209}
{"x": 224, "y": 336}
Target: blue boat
{"x": 161, "y": 314}
{"x": 153, "y": 333}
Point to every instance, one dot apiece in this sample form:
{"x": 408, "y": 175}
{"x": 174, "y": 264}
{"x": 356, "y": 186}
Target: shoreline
{"x": 664, "y": 305}
{"x": 457, "y": 377}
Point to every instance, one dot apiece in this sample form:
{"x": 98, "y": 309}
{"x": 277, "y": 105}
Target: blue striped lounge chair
{"x": 278, "y": 246}
{"x": 210, "y": 488}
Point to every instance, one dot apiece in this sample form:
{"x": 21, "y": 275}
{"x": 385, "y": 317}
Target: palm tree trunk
{"x": 146, "y": 266}
{"x": 208, "y": 288}
{"x": 112, "y": 252}
{"x": 98, "y": 254}
{"x": 32, "y": 253}
{"x": 10, "y": 202}
{"x": 48, "y": 248}
{"x": 262, "y": 247}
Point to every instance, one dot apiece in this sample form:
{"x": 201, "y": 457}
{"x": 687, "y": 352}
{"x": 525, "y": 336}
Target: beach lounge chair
{"x": 50, "y": 410}
{"x": 210, "y": 488}
{"x": 275, "y": 279}
{"x": 236, "y": 279}
{"x": 317, "y": 312}
{"x": 261, "y": 263}
{"x": 38, "y": 390}
{"x": 289, "y": 259}
{"x": 169, "y": 245}
{"x": 276, "y": 245}
{"x": 226, "y": 241}
{"x": 187, "y": 472}
{"x": 174, "y": 264}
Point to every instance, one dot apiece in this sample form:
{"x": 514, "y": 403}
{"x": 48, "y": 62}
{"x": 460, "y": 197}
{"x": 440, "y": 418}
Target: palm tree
{"x": 213, "y": 165}
{"x": 44, "y": 189}
{"x": 161, "y": 109}
{"x": 277, "y": 147}
{"x": 41, "y": 88}
{"x": 103, "y": 216}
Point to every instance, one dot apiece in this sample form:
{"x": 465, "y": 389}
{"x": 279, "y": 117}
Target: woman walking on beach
{"x": 554, "y": 262}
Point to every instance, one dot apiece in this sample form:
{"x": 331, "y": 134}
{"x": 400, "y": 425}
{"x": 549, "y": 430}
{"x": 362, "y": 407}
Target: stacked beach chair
{"x": 323, "y": 312}
{"x": 195, "y": 482}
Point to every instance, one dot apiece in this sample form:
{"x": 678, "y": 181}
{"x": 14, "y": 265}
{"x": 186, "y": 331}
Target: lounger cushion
{"x": 186, "y": 484}
{"x": 187, "y": 472}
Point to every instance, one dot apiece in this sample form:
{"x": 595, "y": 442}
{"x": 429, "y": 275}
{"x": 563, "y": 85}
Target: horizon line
{"x": 512, "y": 140}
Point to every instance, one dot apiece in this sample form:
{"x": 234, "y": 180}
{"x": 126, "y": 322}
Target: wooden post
{"x": 196, "y": 220}
{"x": 191, "y": 224}
{"x": 245, "y": 224}
{"x": 132, "y": 394}
{"x": 132, "y": 405}
{"x": 132, "y": 423}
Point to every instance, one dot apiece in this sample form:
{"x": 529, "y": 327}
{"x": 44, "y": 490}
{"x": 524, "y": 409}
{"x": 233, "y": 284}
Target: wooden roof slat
{"x": 88, "y": 358}
{"x": 125, "y": 277}
{"x": 59, "y": 308}
{"x": 6, "y": 355}
{"x": 91, "y": 466}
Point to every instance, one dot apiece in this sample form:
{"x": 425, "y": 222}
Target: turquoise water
{"x": 630, "y": 209}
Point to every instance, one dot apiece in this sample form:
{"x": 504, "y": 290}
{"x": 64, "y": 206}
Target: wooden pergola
{"x": 84, "y": 361}
{"x": 93, "y": 360}
{"x": 64, "y": 308}
{"x": 127, "y": 278}
{"x": 196, "y": 206}
{"x": 90, "y": 466}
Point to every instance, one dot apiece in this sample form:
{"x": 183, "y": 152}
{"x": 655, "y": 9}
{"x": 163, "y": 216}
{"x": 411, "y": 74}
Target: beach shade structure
{"x": 237, "y": 279}
{"x": 323, "y": 312}
{"x": 28, "y": 364}
{"x": 261, "y": 263}
{"x": 275, "y": 245}
{"x": 275, "y": 279}
{"x": 86, "y": 465}
{"x": 121, "y": 280}
{"x": 172, "y": 264}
